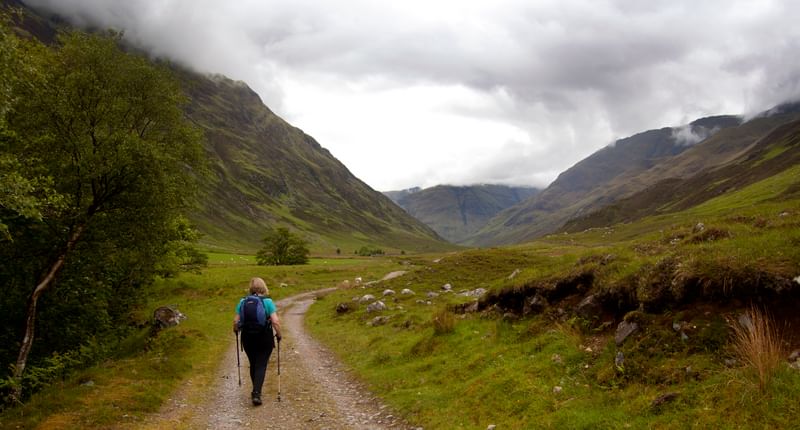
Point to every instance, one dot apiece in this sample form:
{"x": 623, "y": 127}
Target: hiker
{"x": 257, "y": 335}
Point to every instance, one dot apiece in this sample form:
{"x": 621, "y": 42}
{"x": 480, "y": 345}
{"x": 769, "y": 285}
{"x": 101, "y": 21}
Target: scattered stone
{"x": 619, "y": 360}
{"x": 513, "y": 274}
{"x": 508, "y": 316}
{"x": 431, "y": 294}
{"x": 437, "y": 260}
{"x": 447, "y": 287}
{"x": 379, "y": 320}
{"x": 797, "y": 279}
{"x": 343, "y": 308}
{"x": 534, "y": 304}
{"x": 357, "y": 280}
{"x": 88, "y": 383}
{"x": 345, "y": 283}
{"x": 366, "y": 298}
{"x": 407, "y": 292}
{"x": 794, "y": 355}
{"x": 662, "y": 399}
{"x": 393, "y": 275}
{"x": 795, "y": 365}
{"x": 376, "y": 307}
{"x": 491, "y": 427}
{"x": 684, "y": 337}
{"x": 167, "y": 316}
{"x": 478, "y": 292}
{"x": 625, "y": 329}
{"x": 783, "y": 214}
{"x": 283, "y": 285}
{"x": 556, "y": 358}
{"x": 557, "y": 389}
{"x": 388, "y": 293}
{"x": 676, "y": 326}
{"x": 428, "y": 302}
{"x": 730, "y": 362}
{"x": 699, "y": 227}
{"x": 589, "y": 307}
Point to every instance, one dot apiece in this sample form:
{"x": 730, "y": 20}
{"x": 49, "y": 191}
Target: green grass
{"x": 145, "y": 371}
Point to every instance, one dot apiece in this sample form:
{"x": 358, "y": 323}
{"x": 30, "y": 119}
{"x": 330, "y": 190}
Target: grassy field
{"x": 145, "y": 370}
{"x": 556, "y": 368}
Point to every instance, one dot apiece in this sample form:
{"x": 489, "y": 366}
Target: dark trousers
{"x": 258, "y": 347}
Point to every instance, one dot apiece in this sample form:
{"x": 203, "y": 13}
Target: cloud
{"x": 414, "y": 92}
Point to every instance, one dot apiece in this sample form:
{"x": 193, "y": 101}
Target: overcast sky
{"x": 424, "y": 92}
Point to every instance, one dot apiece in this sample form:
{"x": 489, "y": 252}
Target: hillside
{"x": 457, "y": 212}
{"x": 629, "y": 166}
{"x": 771, "y": 155}
{"x": 266, "y": 172}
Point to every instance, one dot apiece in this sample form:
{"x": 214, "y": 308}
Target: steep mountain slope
{"x": 266, "y": 172}
{"x": 629, "y": 166}
{"x": 396, "y": 196}
{"x": 456, "y": 212}
{"x": 770, "y": 156}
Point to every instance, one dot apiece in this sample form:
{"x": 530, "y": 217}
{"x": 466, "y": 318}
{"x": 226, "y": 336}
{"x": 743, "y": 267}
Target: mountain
{"x": 769, "y": 156}
{"x": 266, "y": 172}
{"x": 457, "y": 212}
{"x": 629, "y": 166}
{"x": 396, "y": 196}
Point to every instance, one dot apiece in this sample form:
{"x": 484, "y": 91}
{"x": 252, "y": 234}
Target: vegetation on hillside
{"x": 281, "y": 248}
{"x": 538, "y": 349}
{"x": 98, "y": 166}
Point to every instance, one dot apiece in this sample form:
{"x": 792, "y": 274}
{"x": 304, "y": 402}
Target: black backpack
{"x": 253, "y": 317}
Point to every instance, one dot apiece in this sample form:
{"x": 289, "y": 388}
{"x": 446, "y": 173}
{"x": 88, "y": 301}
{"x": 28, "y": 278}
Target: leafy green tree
{"x": 282, "y": 247}
{"x": 110, "y": 164}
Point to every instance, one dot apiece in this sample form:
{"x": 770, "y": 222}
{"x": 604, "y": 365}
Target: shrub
{"x": 366, "y": 251}
{"x": 756, "y": 342}
{"x": 282, "y": 247}
{"x": 444, "y": 322}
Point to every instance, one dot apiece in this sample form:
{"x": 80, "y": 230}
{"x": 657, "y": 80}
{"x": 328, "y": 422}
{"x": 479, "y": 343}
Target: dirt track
{"x": 316, "y": 391}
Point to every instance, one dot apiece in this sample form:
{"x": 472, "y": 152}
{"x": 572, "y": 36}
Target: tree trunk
{"x": 30, "y": 317}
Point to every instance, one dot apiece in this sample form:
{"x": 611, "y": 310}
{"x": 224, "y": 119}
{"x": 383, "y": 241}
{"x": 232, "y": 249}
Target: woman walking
{"x": 255, "y": 318}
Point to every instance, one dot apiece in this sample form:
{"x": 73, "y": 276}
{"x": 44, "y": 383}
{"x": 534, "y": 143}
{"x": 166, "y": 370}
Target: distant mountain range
{"x": 458, "y": 212}
{"x": 633, "y": 165}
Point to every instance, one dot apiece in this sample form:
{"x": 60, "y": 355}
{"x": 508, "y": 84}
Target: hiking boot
{"x": 256, "y": 399}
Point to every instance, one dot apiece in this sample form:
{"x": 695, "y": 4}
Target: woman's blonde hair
{"x": 258, "y": 286}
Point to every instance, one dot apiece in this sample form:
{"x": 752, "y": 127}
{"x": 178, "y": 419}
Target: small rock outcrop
{"x": 376, "y": 307}
{"x": 167, "y": 316}
{"x": 366, "y": 298}
{"x": 406, "y": 292}
{"x": 388, "y": 293}
{"x": 625, "y": 329}
{"x": 589, "y": 307}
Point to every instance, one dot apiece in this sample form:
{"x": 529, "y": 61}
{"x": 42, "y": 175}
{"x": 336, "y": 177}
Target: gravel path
{"x": 316, "y": 391}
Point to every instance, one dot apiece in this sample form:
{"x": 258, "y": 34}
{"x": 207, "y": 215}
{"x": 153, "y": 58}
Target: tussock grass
{"x": 443, "y": 322}
{"x": 757, "y": 343}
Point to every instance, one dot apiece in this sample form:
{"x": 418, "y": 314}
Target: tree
{"x": 105, "y": 130}
{"x": 281, "y": 247}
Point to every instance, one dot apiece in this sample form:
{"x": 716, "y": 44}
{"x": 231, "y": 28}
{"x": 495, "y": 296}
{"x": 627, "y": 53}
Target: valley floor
{"x": 316, "y": 391}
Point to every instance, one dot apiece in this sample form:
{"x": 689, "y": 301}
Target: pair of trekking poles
{"x": 239, "y": 369}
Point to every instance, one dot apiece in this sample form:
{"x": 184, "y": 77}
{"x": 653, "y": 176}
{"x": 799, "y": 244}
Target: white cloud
{"x": 423, "y": 92}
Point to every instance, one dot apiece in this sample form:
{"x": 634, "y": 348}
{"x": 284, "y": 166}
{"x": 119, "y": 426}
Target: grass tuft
{"x": 443, "y": 322}
{"x": 757, "y": 343}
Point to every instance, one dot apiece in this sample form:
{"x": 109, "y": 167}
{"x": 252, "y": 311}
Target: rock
{"x": 343, "y": 308}
{"x": 589, "y": 307}
{"x": 794, "y": 355}
{"x": 619, "y": 360}
{"x": 491, "y": 427}
{"x": 684, "y": 337}
{"x": 556, "y": 358}
{"x": 357, "y": 280}
{"x": 730, "y": 362}
{"x": 662, "y": 399}
{"x": 535, "y": 304}
{"x": 167, "y": 316}
{"x": 699, "y": 227}
{"x": 676, "y": 326}
{"x": 746, "y": 322}
{"x": 797, "y": 279}
{"x": 795, "y": 365}
{"x": 478, "y": 292}
{"x": 420, "y": 302}
{"x": 431, "y": 294}
{"x": 379, "y": 320}
{"x": 513, "y": 274}
{"x": 283, "y": 285}
{"x": 393, "y": 275}
{"x": 388, "y": 293}
{"x": 88, "y": 383}
{"x": 508, "y": 316}
{"x": 376, "y": 307}
{"x": 557, "y": 389}
{"x": 447, "y": 287}
{"x": 437, "y": 260}
{"x": 466, "y": 308}
{"x": 625, "y": 329}
{"x": 783, "y": 214}
{"x": 407, "y": 292}
{"x": 366, "y": 298}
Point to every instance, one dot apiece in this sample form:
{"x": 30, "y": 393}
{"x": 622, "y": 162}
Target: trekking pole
{"x": 279, "y": 370}
{"x": 238, "y": 368}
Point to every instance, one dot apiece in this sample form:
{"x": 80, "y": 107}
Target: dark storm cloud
{"x": 567, "y": 76}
